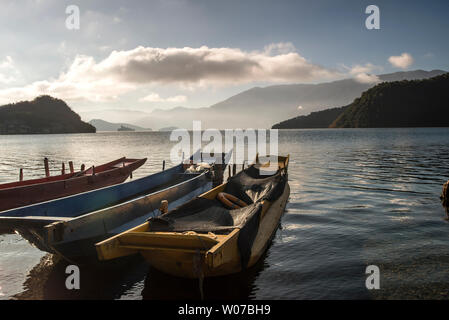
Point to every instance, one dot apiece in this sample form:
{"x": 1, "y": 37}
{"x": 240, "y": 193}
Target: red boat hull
{"x": 23, "y": 193}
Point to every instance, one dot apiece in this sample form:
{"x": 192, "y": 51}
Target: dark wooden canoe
{"x": 24, "y": 193}
{"x": 203, "y": 238}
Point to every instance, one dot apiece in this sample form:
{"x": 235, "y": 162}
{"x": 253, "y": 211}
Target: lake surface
{"x": 359, "y": 197}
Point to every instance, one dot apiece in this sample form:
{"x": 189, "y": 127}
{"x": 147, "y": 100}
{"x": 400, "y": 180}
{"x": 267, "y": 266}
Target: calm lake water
{"x": 359, "y": 197}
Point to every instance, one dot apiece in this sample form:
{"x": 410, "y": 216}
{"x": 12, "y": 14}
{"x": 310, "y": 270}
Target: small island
{"x": 168, "y": 129}
{"x": 123, "y": 128}
{"x": 43, "y": 115}
{"x": 102, "y": 125}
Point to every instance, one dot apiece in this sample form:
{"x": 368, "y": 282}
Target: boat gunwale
{"x": 208, "y": 255}
{"x": 57, "y": 178}
{"x": 2, "y": 213}
{"x": 195, "y": 176}
{"x": 103, "y": 169}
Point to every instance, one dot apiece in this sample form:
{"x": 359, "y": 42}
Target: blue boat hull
{"x": 74, "y": 239}
{"x": 79, "y": 204}
{"x": 71, "y": 226}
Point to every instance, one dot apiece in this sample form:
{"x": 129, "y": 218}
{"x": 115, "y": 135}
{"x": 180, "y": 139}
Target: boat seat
{"x": 205, "y": 215}
{"x": 202, "y": 215}
{"x": 251, "y": 186}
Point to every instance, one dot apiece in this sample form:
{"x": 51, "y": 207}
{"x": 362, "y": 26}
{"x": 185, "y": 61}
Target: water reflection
{"x": 107, "y": 281}
{"x": 120, "y": 278}
{"x": 239, "y": 286}
{"x": 358, "y": 197}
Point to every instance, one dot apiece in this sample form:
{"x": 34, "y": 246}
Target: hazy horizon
{"x": 158, "y": 55}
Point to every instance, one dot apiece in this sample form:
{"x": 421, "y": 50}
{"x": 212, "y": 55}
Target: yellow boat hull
{"x": 186, "y": 264}
{"x": 196, "y": 255}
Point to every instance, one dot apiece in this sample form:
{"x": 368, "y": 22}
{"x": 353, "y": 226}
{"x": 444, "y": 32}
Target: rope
{"x": 198, "y": 266}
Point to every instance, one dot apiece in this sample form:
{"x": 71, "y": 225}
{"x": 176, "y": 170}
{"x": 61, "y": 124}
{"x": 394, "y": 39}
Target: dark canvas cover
{"x": 204, "y": 215}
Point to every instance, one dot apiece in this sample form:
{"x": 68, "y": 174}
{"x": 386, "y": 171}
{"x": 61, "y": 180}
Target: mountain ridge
{"x": 314, "y": 120}
{"x": 406, "y": 103}
{"x": 43, "y": 115}
{"x": 260, "y": 107}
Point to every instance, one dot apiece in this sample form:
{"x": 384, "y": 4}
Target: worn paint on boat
{"x": 75, "y": 239}
{"x": 71, "y": 226}
{"x": 23, "y": 193}
{"x": 196, "y": 254}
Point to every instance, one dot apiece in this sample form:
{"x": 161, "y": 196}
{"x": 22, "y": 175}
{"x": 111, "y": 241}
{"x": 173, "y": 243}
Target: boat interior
{"x": 119, "y": 163}
{"x": 205, "y": 224}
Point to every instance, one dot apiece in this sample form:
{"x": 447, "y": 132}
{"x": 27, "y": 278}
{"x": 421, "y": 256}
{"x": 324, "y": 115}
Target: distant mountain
{"x": 116, "y": 115}
{"x": 261, "y": 107}
{"x": 43, "y": 115}
{"x": 417, "y": 103}
{"x": 102, "y": 125}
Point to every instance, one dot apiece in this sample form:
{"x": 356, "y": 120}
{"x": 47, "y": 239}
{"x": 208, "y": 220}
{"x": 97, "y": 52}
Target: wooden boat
{"x": 202, "y": 238}
{"x": 71, "y": 226}
{"x": 24, "y": 193}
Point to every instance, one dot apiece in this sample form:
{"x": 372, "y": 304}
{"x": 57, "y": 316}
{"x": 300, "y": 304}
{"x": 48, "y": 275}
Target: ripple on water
{"x": 358, "y": 197}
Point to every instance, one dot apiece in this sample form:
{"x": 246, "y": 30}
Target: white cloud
{"x": 368, "y": 67}
{"x": 125, "y": 71}
{"x": 279, "y": 48}
{"x": 8, "y": 71}
{"x": 362, "y": 73}
{"x": 104, "y": 48}
{"x": 366, "y": 78}
{"x": 403, "y": 61}
{"x": 204, "y": 65}
{"x": 154, "y": 97}
{"x": 71, "y": 86}
{"x": 7, "y": 63}
{"x": 6, "y": 79}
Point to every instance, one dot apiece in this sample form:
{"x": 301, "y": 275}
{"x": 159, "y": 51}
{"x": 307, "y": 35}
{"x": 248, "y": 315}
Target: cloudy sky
{"x": 142, "y": 55}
